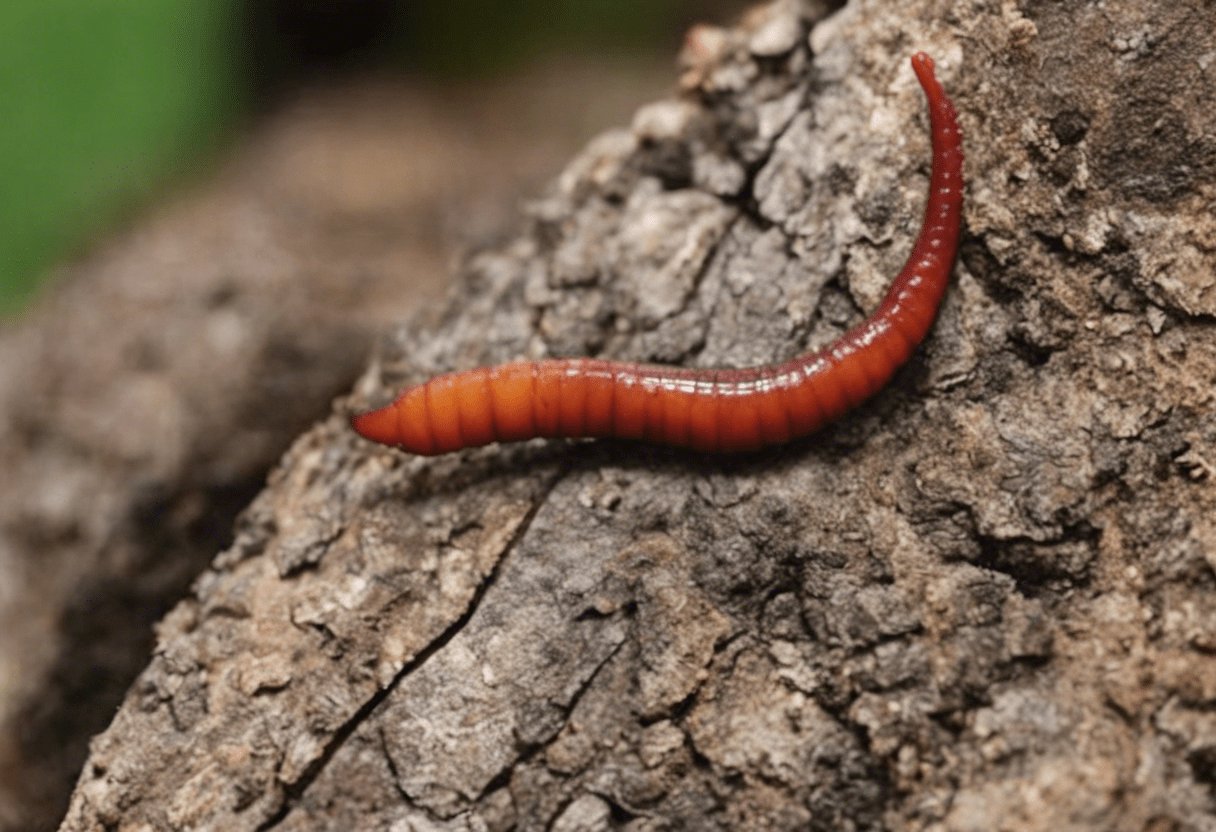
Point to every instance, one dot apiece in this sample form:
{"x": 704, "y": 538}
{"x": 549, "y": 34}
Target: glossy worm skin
{"x": 710, "y": 410}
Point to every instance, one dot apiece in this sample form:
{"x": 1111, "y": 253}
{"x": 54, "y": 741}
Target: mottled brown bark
{"x": 147, "y": 394}
{"x": 983, "y": 601}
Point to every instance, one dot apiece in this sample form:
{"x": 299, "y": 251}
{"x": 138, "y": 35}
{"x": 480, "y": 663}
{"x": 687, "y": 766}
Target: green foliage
{"x": 102, "y": 99}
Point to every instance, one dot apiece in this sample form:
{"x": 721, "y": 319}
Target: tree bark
{"x": 147, "y": 394}
{"x": 981, "y": 601}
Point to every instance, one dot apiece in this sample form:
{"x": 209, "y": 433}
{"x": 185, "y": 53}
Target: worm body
{"x": 718, "y": 410}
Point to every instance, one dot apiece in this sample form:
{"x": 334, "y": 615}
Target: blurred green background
{"x": 102, "y": 101}
{"x": 106, "y": 102}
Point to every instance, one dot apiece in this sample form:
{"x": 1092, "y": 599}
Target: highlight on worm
{"x": 718, "y": 410}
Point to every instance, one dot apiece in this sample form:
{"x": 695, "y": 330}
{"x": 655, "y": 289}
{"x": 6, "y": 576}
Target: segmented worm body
{"x": 709, "y": 410}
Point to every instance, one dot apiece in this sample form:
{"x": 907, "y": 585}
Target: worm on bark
{"x": 717, "y": 410}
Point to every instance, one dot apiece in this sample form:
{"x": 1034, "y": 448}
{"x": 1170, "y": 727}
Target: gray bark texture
{"x": 149, "y": 390}
{"x": 155, "y": 383}
{"x": 983, "y": 601}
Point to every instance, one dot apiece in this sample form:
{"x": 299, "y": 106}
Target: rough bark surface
{"x": 146, "y": 396}
{"x": 983, "y": 601}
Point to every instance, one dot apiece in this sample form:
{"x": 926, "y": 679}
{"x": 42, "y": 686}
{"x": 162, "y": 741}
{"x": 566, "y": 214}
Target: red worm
{"x": 710, "y": 410}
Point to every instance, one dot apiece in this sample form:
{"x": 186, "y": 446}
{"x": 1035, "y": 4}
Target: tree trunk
{"x": 981, "y": 601}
